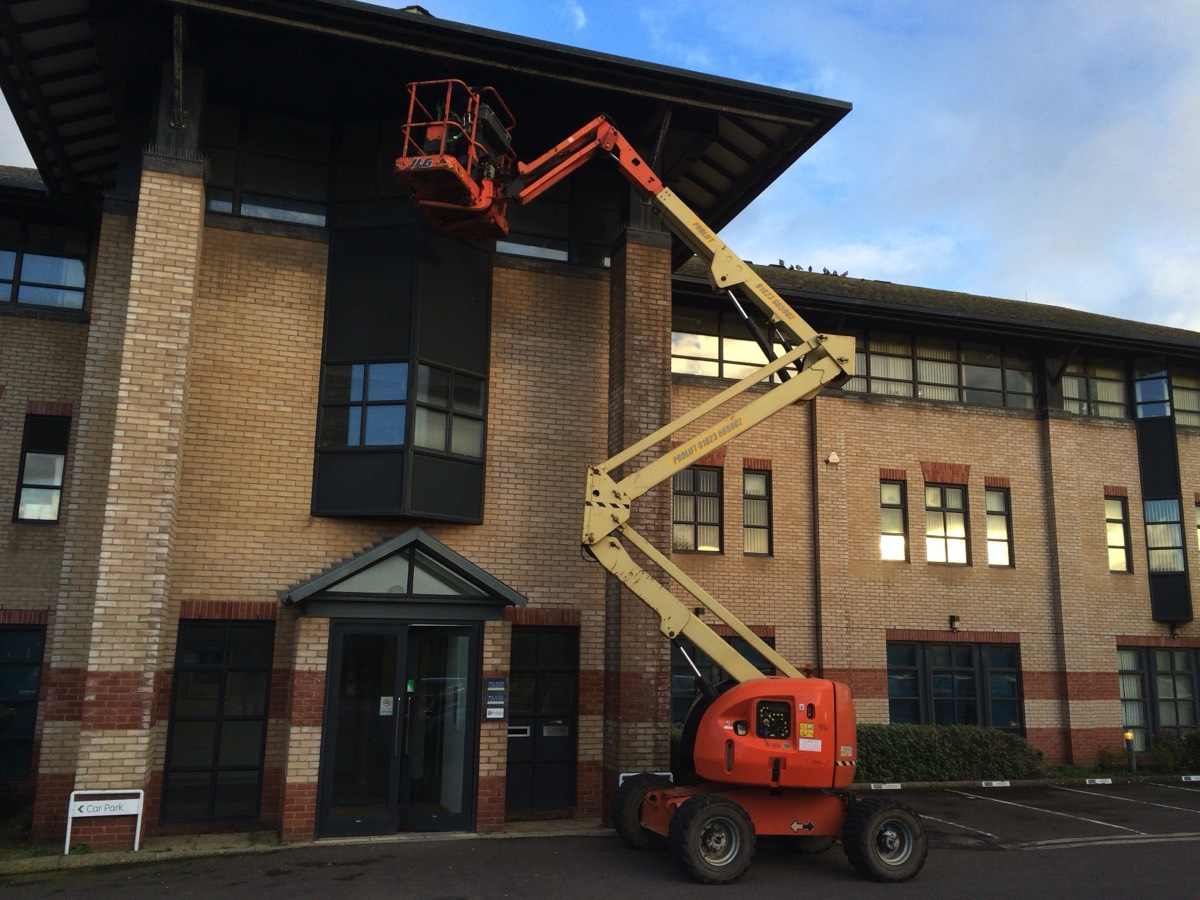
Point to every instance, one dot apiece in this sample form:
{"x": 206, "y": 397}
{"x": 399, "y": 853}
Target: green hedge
{"x": 899, "y": 753}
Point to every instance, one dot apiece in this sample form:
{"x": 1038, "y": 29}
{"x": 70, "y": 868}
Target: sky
{"x": 1042, "y": 150}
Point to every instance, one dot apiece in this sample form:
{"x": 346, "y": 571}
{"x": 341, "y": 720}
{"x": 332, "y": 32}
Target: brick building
{"x": 296, "y": 478}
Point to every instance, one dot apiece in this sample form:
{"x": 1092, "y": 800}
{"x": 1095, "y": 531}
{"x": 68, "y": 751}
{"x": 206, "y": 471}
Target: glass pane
{"x": 684, "y": 481}
{"x": 906, "y": 712}
{"x": 935, "y": 550}
{"x": 236, "y": 795}
{"x": 997, "y": 554}
{"x": 192, "y": 744}
{"x": 683, "y": 508}
{"x": 1114, "y": 509}
{"x": 385, "y": 425}
{"x": 686, "y": 344}
{"x": 890, "y": 367}
{"x": 892, "y": 547}
{"x": 956, "y": 552}
{"x": 683, "y": 538}
{"x": 1158, "y": 536}
{"x": 956, "y": 525}
{"x": 186, "y": 795}
{"x": 1162, "y": 511}
{"x": 433, "y": 386}
{"x": 8, "y": 263}
{"x": 756, "y": 513}
{"x": 997, "y": 501}
{"x": 556, "y": 692}
{"x": 890, "y": 494}
{"x": 431, "y": 577}
{"x": 934, "y": 348}
{"x": 241, "y": 743}
{"x": 466, "y": 436}
{"x": 933, "y": 497}
{"x": 755, "y": 540}
{"x": 250, "y": 646}
{"x": 997, "y": 528}
{"x": 21, "y": 644}
{"x": 343, "y": 384}
{"x": 39, "y": 504}
{"x": 890, "y": 342}
{"x": 902, "y": 684}
{"x": 52, "y": 270}
{"x": 246, "y": 694}
{"x": 891, "y": 521}
{"x": 1116, "y": 534}
{"x": 430, "y": 430}
{"x": 694, "y": 367}
{"x": 931, "y": 372}
{"x": 197, "y": 693}
{"x": 1003, "y": 658}
{"x": 708, "y": 510}
{"x": 1117, "y": 561}
{"x": 954, "y": 498}
{"x": 708, "y": 481}
{"x": 985, "y": 377}
{"x": 743, "y": 351}
{"x": 388, "y": 381}
{"x": 901, "y": 654}
{"x": 468, "y": 395}
{"x": 755, "y": 484}
{"x": 1166, "y": 560}
{"x": 44, "y": 469}
{"x": 708, "y": 538}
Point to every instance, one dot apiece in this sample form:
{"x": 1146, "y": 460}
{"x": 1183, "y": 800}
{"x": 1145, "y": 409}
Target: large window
{"x": 1116, "y": 523}
{"x": 218, "y": 725}
{"x": 696, "y": 509}
{"x": 999, "y": 527}
{"x": 946, "y": 524}
{"x": 756, "y": 512}
{"x": 21, "y": 648}
{"x": 267, "y": 166}
{"x": 1095, "y": 387}
{"x": 896, "y": 364}
{"x": 955, "y": 684}
{"x": 449, "y": 412}
{"x": 43, "y": 464}
{"x": 1185, "y": 388}
{"x": 1158, "y": 691}
{"x": 364, "y": 404}
{"x": 683, "y": 678}
{"x": 714, "y": 341}
{"x": 893, "y": 521}
{"x": 42, "y": 265}
{"x": 1151, "y": 392}
{"x": 1164, "y": 535}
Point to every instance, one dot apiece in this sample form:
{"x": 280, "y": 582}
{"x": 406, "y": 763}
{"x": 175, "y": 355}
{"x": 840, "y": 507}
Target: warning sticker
{"x": 807, "y": 729}
{"x": 813, "y": 746}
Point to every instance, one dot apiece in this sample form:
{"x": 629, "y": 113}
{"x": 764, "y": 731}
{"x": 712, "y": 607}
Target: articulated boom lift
{"x": 769, "y": 755}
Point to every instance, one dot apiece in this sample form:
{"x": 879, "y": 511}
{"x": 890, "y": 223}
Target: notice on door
{"x": 387, "y": 705}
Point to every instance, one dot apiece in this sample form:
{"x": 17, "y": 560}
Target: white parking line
{"x": 1125, "y": 799}
{"x": 957, "y": 825}
{"x": 1071, "y": 843}
{"x": 1051, "y": 812}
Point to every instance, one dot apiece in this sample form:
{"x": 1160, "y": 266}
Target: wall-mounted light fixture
{"x": 954, "y": 623}
{"x": 833, "y": 459}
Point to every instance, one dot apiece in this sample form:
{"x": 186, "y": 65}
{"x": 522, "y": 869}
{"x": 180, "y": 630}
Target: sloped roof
{"x": 812, "y": 291}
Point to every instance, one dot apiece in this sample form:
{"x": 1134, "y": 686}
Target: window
{"x": 218, "y": 726}
{"x": 1158, "y": 691}
{"x": 364, "y": 404}
{"x": 696, "y": 509}
{"x": 43, "y": 464}
{"x": 893, "y": 521}
{"x": 575, "y": 221}
{"x": 1095, "y": 387}
{"x": 20, "y": 679}
{"x": 1185, "y": 389}
{"x": 449, "y": 412}
{"x": 42, "y": 265}
{"x": 999, "y": 527}
{"x": 946, "y": 524}
{"x": 714, "y": 341}
{"x": 1164, "y": 535}
{"x": 683, "y": 679}
{"x": 897, "y": 365}
{"x": 1151, "y": 392}
{"x": 756, "y": 512}
{"x": 266, "y": 166}
{"x": 954, "y": 684}
{"x": 1116, "y": 519}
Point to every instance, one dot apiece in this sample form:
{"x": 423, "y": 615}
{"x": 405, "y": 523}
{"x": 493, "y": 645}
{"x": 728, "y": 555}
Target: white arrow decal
{"x": 807, "y": 826}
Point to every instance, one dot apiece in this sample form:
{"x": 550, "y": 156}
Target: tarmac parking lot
{"x": 1047, "y": 816}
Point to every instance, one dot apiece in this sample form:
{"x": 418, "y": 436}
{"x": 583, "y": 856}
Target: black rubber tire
{"x": 884, "y": 840}
{"x": 712, "y": 839}
{"x": 627, "y": 807}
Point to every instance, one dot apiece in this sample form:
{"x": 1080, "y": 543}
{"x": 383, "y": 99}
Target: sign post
{"x": 87, "y": 804}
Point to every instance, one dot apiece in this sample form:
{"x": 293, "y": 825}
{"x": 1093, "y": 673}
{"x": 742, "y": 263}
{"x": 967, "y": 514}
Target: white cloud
{"x": 575, "y": 13}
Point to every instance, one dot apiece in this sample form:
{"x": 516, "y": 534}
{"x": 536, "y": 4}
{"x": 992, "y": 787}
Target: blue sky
{"x": 1046, "y": 150}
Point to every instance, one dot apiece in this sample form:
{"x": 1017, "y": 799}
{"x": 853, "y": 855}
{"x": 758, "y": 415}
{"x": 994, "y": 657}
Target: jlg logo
{"x": 421, "y": 162}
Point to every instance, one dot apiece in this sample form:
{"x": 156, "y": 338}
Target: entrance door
{"x": 401, "y": 721}
{"x": 542, "y": 722}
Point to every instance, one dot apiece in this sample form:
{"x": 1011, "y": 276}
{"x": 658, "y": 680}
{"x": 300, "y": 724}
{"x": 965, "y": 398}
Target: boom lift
{"x": 769, "y": 755}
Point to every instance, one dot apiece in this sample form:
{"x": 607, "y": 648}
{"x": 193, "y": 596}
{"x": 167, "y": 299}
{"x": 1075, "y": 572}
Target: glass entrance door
{"x": 401, "y": 724}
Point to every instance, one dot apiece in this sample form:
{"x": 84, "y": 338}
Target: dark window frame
{"x": 683, "y": 680}
{"x": 1088, "y": 379}
{"x": 1125, "y": 546}
{"x": 48, "y": 436}
{"x": 16, "y": 744}
{"x": 755, "y": 501}
{"x": 452, "y": 407}
{"x": 995, "y": 517}
{"x": 684, "y": 486}
{"x": 945, "y": 514}
{"x": 207, "y": 668}
{"x": 27, "y": 246}
{"x": 724, "y": 348}
{"x": 886, "y": 528}
{"x": 1164, "y": 535}
{"x": 951, "y": 683}
{"x": 1142, "y": 692}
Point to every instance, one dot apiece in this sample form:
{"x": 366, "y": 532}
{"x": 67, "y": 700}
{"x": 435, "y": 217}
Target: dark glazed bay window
{"x": 364, "y": 404}
{"x": 955, "y": 684}
{"x": 1152, "y": 392}
{"x": 696, "y": 509}
{"x": 43, "y": 463}
{"x": 1164, "y": 535}
{"x": 1185, "y": 388}
{"x": 1158, "y": 692}
{"x": 946, "y": 524}
{"x": 42, "y": 265}
{"x": 21, "y": 649}
{"x": 267, "y": 166}
{"x": 218, "y": 726}
{"x": 449, "y": 412}
{"x": 1095, "y": 387}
